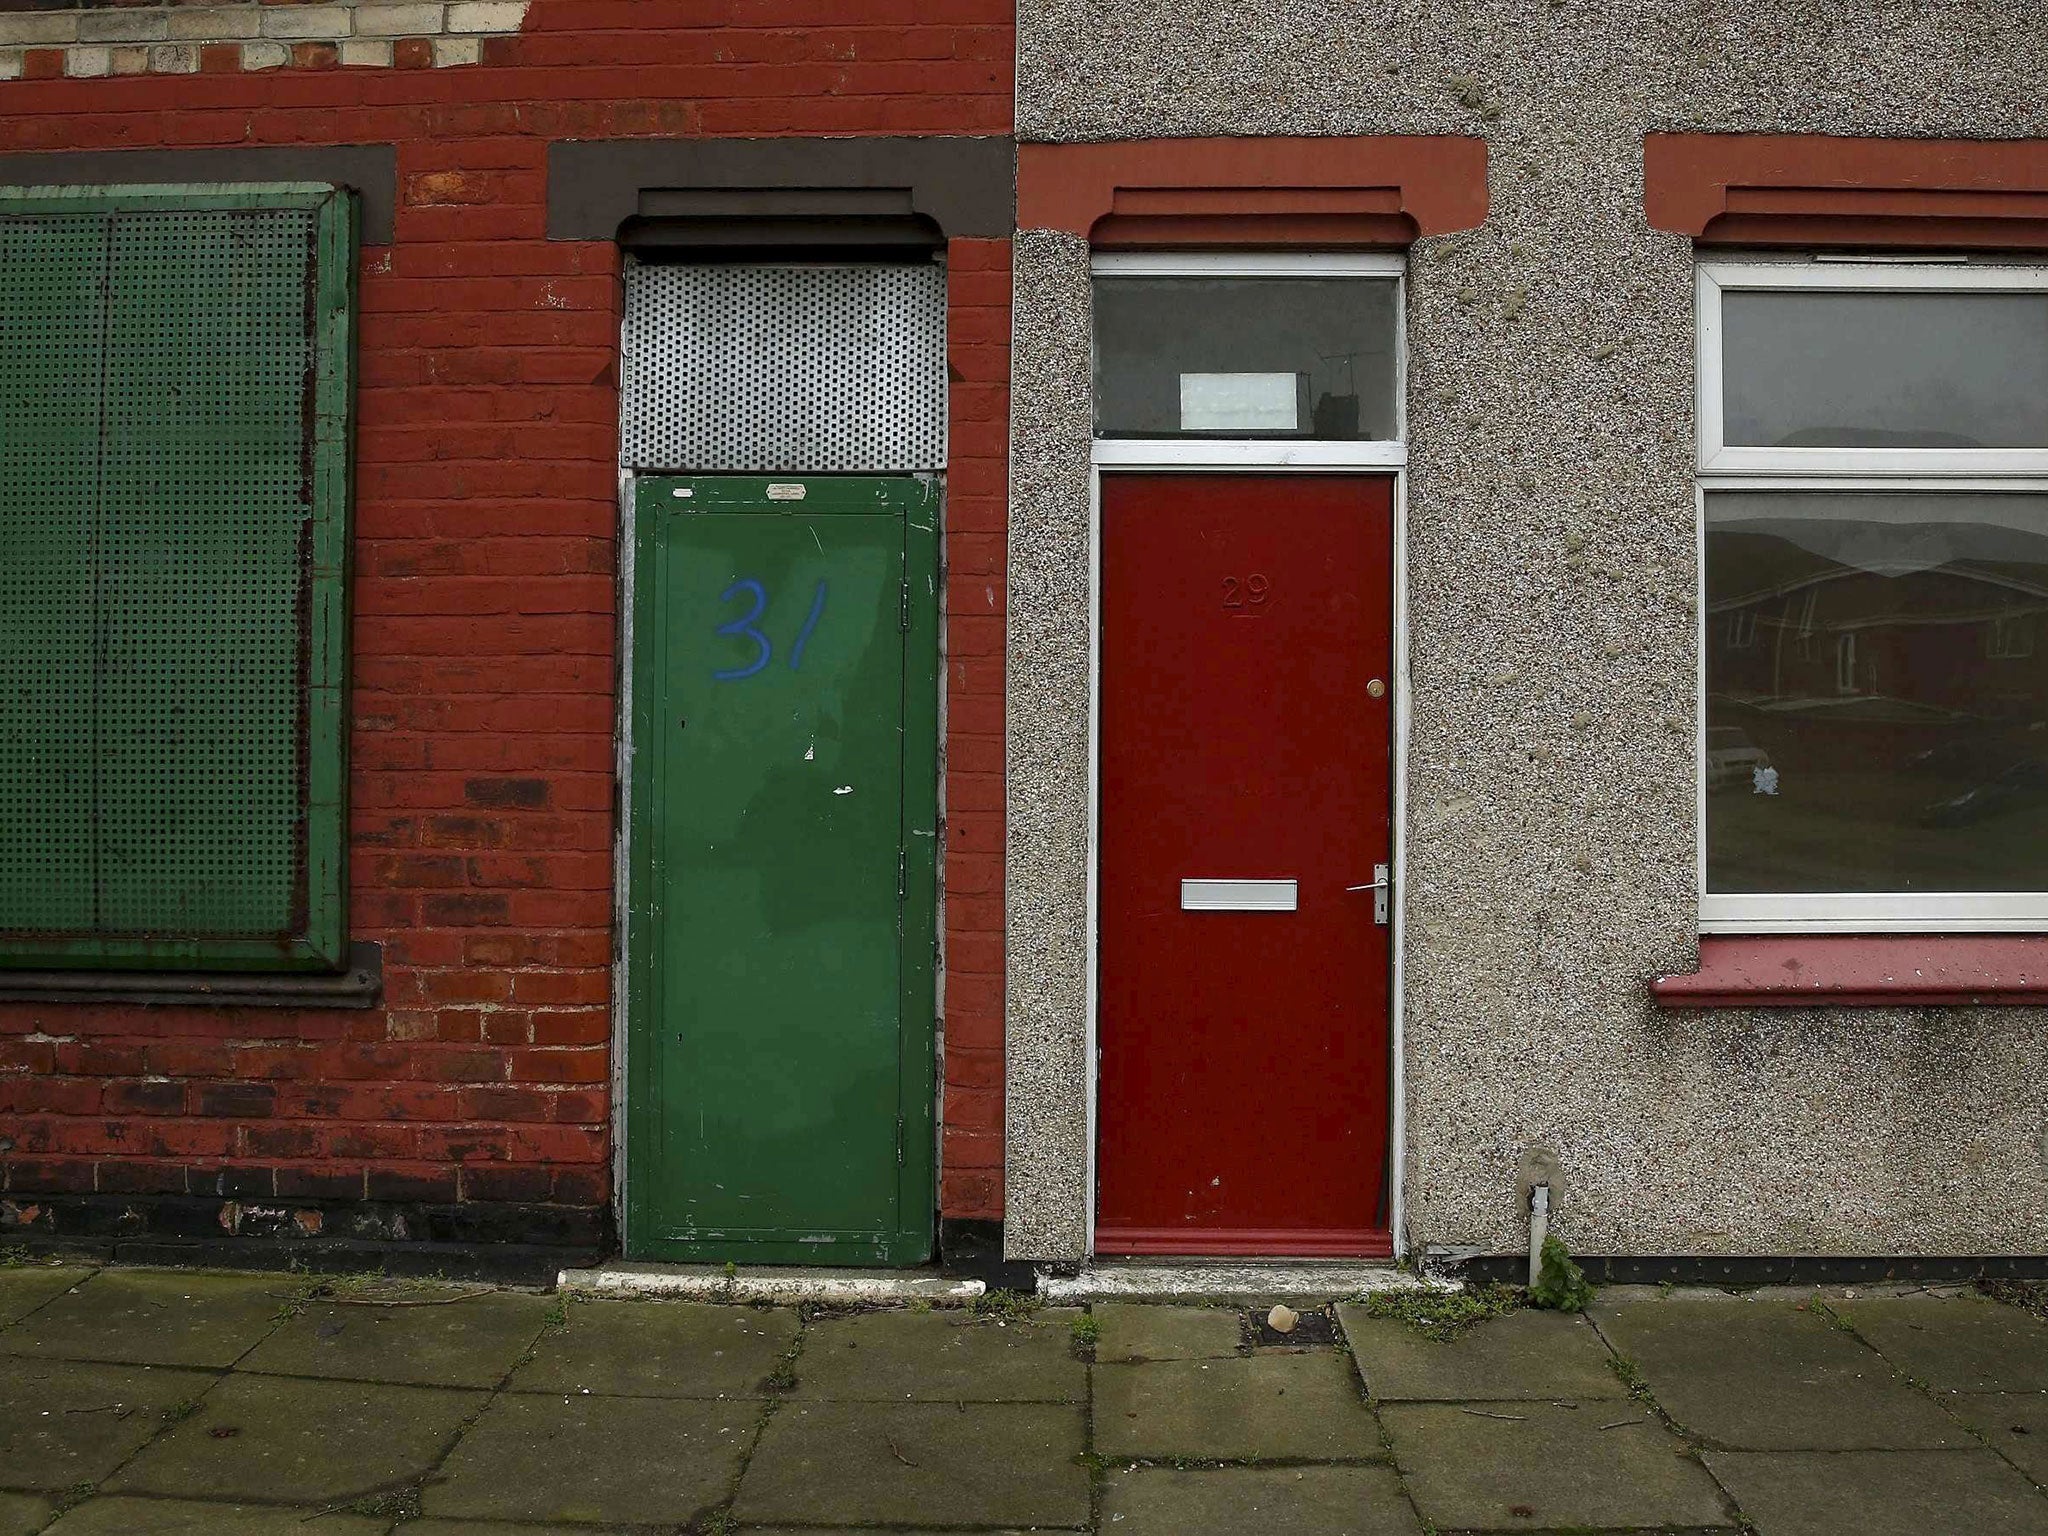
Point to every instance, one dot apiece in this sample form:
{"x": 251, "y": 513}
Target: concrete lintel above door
{"x": 964, "y": 187}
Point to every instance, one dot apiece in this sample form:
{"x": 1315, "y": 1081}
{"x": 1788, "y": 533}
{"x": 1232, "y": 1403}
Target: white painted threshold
{"x": 1273, "y": 1280}
{"x": 705, "y": 1282}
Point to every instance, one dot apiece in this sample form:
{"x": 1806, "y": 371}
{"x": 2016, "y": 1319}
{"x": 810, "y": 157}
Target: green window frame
{"x": 176, "y": 393}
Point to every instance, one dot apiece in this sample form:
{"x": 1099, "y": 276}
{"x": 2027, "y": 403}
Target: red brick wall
{"x": 977, "y": 517}
{"x": 485, "y": 621}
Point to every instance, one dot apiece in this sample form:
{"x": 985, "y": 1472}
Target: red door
{"x": 1247, "y": 658}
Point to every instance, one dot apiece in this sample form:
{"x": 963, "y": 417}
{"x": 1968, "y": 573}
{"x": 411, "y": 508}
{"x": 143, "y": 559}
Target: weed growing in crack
{"x": 1086, "y": 1331}
{"x": 399, "y": 1504}
{"x": 2027, "y": 1295}
{"x": 1819, "y": 1308}
{"x": 1444, "y": 1315}
{"x": 1005, "y": 1306}
{"x": 181, "y": 1410}
{"x": 1561, "y": 1286}
{"x": 1630, "y": 1375}
{"x": 783, "y": 1377}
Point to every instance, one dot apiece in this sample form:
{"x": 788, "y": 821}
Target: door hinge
{"x": 903, "y": 605}
{"x": 902, "y": 873}
{"x": 899, "y": 1141}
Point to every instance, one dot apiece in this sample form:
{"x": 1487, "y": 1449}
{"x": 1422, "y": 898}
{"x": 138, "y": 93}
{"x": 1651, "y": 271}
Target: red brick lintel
{"x": 1813, "y": 189}
{"x": 1254, "y": 191}
{"x": 1861, "y": 970}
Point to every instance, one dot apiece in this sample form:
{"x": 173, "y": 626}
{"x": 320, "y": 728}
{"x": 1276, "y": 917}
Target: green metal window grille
{"x": 174, "y": 438}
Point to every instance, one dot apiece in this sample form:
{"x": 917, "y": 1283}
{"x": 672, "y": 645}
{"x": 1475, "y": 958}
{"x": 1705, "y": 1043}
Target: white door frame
{"x": 1264, "y": 456}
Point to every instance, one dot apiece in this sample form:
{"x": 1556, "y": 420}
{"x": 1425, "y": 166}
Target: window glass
{"x": 1877, "y": 691}
{"x": 1245, "y": 357}
{"x": 1815, "y": 369}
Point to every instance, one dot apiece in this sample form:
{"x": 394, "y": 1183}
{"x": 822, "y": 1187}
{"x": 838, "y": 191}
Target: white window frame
{"x": 1717, "y": 278}
{"x": 2010, "y": 637}
{"x": 1722, "y": 468}
{"x": 1264, "y": 453}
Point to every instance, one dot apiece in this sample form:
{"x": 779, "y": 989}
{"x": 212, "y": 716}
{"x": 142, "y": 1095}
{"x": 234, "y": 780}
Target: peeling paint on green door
{"x": 783, "y": 848}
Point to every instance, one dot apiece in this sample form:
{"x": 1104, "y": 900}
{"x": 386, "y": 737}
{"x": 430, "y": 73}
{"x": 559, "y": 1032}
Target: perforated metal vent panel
{"x": 205, "y": 499}
{"x": 785, "y": 368}
{"x": 156, "y": 503}
{"x": 49, "y": 448}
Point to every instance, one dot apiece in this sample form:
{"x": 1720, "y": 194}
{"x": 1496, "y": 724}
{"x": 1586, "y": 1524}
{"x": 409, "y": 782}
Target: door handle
{"x": 1381, "y": 882}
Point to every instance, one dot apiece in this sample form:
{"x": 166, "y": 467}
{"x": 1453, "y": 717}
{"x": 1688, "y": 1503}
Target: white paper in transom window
{"x": 1240, "y": 402}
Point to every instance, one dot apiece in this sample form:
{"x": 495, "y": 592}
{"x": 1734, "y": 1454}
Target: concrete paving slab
{"x": 21, "y": 1514}
{"x": 1522, "y": 1354}
{"x": 2014, "y": 1424}
{"x": 65, "y": 1422}
{"x": 941, "y": 1357}
{"x": 1229, "y": 1501}
{"x": 1961, "y": 1344}
{"x": 1770, "y": 1376}
{"x": 1524, "y": 1466}
{"x": 659, "y": 1349}
{"x": 181, "y": 1517}
{"x": 1129, "y": 1331}
{"x": 468, "y": 1343}
{"x": 27, "y": 1286}
{"x": 1881, "y": 1493}
{"x": 304, "y": 1442}
{"x": 154, "y": 1317}
{"x": 1299, "y": 1406}
{"x": 913, "y": 1464}
{"x": 594, "y": 1459}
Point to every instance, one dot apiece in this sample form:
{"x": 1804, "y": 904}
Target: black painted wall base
{"x": 517, "y": 1244}
{"x": 1766, "y": 1269}
{"x": 501, "y": 1242}
{"x": 973, "y": 1250}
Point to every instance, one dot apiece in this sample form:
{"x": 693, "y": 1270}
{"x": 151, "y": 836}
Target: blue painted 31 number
{"x": 764, "y": 649}
{"x": 745, "y": 626}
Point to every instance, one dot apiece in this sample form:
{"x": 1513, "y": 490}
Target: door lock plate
{"x": 1381, "y": 882}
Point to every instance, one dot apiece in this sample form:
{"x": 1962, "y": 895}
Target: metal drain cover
{"x": 1316, "y": 1327}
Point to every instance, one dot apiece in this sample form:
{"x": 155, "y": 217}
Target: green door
{"x": 783, "y": 841}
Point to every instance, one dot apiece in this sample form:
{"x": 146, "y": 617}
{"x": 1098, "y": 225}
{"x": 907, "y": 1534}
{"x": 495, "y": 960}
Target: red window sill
{"x": 1861, "y": 970}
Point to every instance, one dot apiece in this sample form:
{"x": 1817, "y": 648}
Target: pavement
{"x": 140, "y": 1401}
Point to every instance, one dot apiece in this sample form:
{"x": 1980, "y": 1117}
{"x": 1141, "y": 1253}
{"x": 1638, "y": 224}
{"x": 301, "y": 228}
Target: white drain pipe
{"x": 1539, "y": 1228}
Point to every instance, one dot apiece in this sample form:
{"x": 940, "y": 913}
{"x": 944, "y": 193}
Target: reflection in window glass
{"x": 1877, "y": 717}
{"x": 1245, "y": 357}
{"x": 1809, "y": 369}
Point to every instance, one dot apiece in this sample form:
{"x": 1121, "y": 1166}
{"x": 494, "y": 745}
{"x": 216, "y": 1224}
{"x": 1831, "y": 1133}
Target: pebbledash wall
{"x": 1552, "y": 582}
{"x": 473, "y": 1105}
